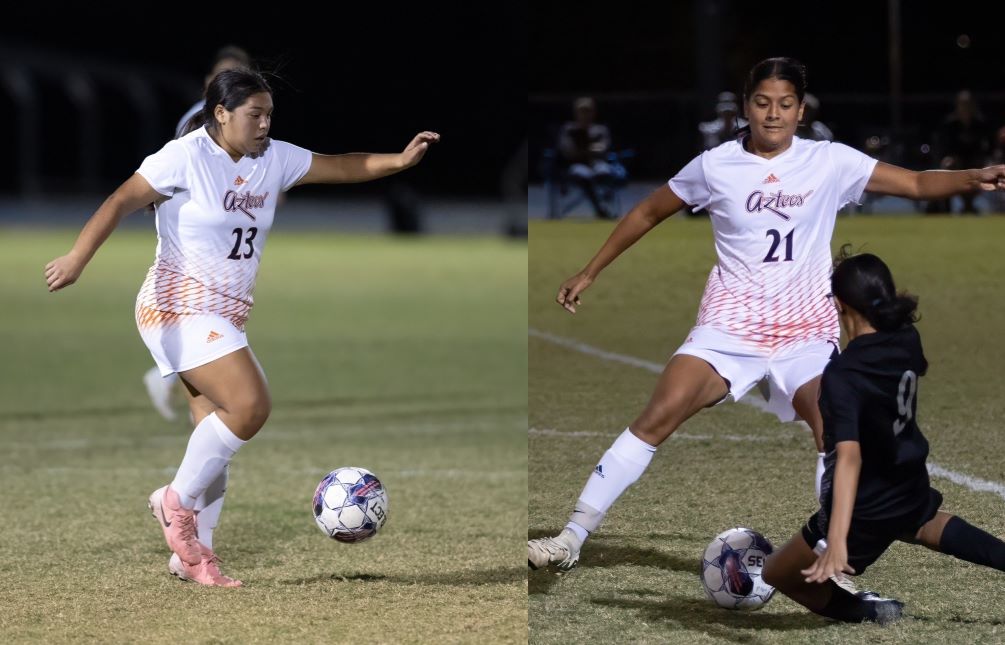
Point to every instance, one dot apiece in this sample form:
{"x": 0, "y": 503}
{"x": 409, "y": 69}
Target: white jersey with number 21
{"x": 772, "y": 221}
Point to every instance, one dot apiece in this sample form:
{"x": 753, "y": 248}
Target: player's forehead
{"x": 260, "y": 101}
{"x": 774, "y": 88}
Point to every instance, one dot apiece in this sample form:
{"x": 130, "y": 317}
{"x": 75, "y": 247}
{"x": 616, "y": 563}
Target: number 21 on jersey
{"x": 776, "y": 240}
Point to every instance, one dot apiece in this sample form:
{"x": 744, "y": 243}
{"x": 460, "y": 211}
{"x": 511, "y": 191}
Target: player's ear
{"x": 802, "y": 108}
{"x": 220, "y": 113}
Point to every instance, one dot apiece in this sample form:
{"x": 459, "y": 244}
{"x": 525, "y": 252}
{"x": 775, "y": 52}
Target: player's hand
{"x": 992, "y": 178}
{"x": 832, "y": 562}
{"x": 414, "y": 151}
{"x": 63, "y": 271}
{"x": 568, "y": 293}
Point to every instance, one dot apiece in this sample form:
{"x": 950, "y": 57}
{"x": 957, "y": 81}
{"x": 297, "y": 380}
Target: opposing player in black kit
{"x": 875, "y": 486}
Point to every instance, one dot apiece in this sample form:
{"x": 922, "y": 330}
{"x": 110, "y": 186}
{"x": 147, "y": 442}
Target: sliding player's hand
{"x": 832, "y": 562}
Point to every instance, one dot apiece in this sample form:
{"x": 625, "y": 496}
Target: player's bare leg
{"x": 805, "y": 403}
{"x": 687, "y": 385}
{"x": 235, "y": 387}
{"x": 783, "y": 571}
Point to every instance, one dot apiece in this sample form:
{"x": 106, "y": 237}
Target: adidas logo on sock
{"x": 213, "y": 336}
{"x": 600, "y": 470}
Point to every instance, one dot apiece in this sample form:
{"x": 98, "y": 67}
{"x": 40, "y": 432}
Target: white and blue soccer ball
{"x": 731, "y": 569}
{"x": 350, "y": 504}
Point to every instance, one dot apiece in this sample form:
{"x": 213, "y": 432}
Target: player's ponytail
{"x": 888, "y": 315}
{"x": 864, "y": 283}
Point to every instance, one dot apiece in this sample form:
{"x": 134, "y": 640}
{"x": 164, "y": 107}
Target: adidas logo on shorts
{"x": 213, "y": 336}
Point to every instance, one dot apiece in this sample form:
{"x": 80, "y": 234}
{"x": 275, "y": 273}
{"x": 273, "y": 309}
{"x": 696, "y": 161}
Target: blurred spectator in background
{"x": 514, "y": 190}
{"x": 584, "y": 146}
{"x": 724, "y": 126}
{"x": 227, "y": 57}
{"x": 809, "y": 127}
{"x": 963, "y": 141}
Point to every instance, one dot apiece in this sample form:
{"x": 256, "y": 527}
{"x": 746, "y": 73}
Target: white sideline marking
{"x": 599, "y": 353}
{"x": 973, "y": 483}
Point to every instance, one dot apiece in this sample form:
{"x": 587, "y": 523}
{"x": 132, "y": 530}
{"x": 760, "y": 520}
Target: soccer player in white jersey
{"x": 161, "y": 389}
{"x": 772, "y": 200}
{"x": 215, "y": 192}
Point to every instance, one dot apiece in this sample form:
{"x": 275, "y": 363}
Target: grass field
{"x": 734, "y": 465}
{"x": 407, "y": 357}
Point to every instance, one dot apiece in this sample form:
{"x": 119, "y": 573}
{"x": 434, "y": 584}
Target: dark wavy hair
{"x": 231, "y": 88}
{"x": 864, "y": 283}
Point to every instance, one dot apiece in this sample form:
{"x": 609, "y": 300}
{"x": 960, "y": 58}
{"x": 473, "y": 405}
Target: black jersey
{"x": 869, "y": 394}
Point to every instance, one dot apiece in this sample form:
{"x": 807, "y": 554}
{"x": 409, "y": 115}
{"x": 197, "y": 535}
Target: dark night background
{"x": 346, "y": 80}
{"x": 655, "y": 68}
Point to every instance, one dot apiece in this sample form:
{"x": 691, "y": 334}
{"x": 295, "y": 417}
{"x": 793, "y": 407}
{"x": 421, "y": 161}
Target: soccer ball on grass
{"x": 350, "y": 504}
{"x": 731, "y": 569}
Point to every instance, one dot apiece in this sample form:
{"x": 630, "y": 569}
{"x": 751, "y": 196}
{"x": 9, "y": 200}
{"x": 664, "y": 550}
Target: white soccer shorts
{"x": 744, "y": 364}
{"x": 186, "y": 342}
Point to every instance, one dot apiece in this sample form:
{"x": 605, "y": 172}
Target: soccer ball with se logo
{"x": 350, "y": 504}
{"x": 731, "y": 569}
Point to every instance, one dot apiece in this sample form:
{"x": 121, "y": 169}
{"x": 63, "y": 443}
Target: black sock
{"x": 847, "y": 607}
{"x": 967, "y": 542}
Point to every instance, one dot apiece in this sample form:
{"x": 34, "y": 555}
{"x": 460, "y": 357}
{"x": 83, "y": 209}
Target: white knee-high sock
{"x": 620, "y": 467}
{"x": 209, "y": 505}
{"x": 210, "y": 449}
{"x": 820, "y": 472}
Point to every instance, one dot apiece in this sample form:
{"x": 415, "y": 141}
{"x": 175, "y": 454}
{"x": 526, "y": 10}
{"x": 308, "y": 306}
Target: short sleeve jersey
{"x": 869, "y": 394}
{"x": 772, "y": 220}
{"x": 212, "y": 225}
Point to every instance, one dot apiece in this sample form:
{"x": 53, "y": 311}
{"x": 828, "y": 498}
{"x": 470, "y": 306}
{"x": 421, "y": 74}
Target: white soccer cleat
{"x": 159, "y": 389}
{"x": 561, "y": 551}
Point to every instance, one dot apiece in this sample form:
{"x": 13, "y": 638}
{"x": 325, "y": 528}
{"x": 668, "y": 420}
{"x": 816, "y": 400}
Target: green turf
{"x": 637, "y": 580}
{"x": 407, "y": 357}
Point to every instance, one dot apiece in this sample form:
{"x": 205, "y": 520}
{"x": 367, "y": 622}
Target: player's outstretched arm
{"x": 887, "y": 179}
{"x": 132, "y": 195}
{"x": 846, "y": 472}
{"x": 356, "y": 167}
{"x": 652, "y": 210}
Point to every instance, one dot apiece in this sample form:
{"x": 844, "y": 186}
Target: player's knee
{"x": 259, "y": 411}
{"x": 657, "y": 422}
{"x": 671, "y": 409}
{"x": 250, "y": 411}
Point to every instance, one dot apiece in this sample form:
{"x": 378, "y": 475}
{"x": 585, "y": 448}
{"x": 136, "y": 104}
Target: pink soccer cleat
{"x": 177, "y": 523}
{"x": 206, "y": 572}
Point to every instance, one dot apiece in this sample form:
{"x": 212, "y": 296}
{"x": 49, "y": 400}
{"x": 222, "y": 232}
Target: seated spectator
{"x": 963, "y": 141}
{"x": 584, "y": 146}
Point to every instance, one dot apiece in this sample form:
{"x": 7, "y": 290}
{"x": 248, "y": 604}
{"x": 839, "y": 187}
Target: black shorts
{"x": 868, "y": 539}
